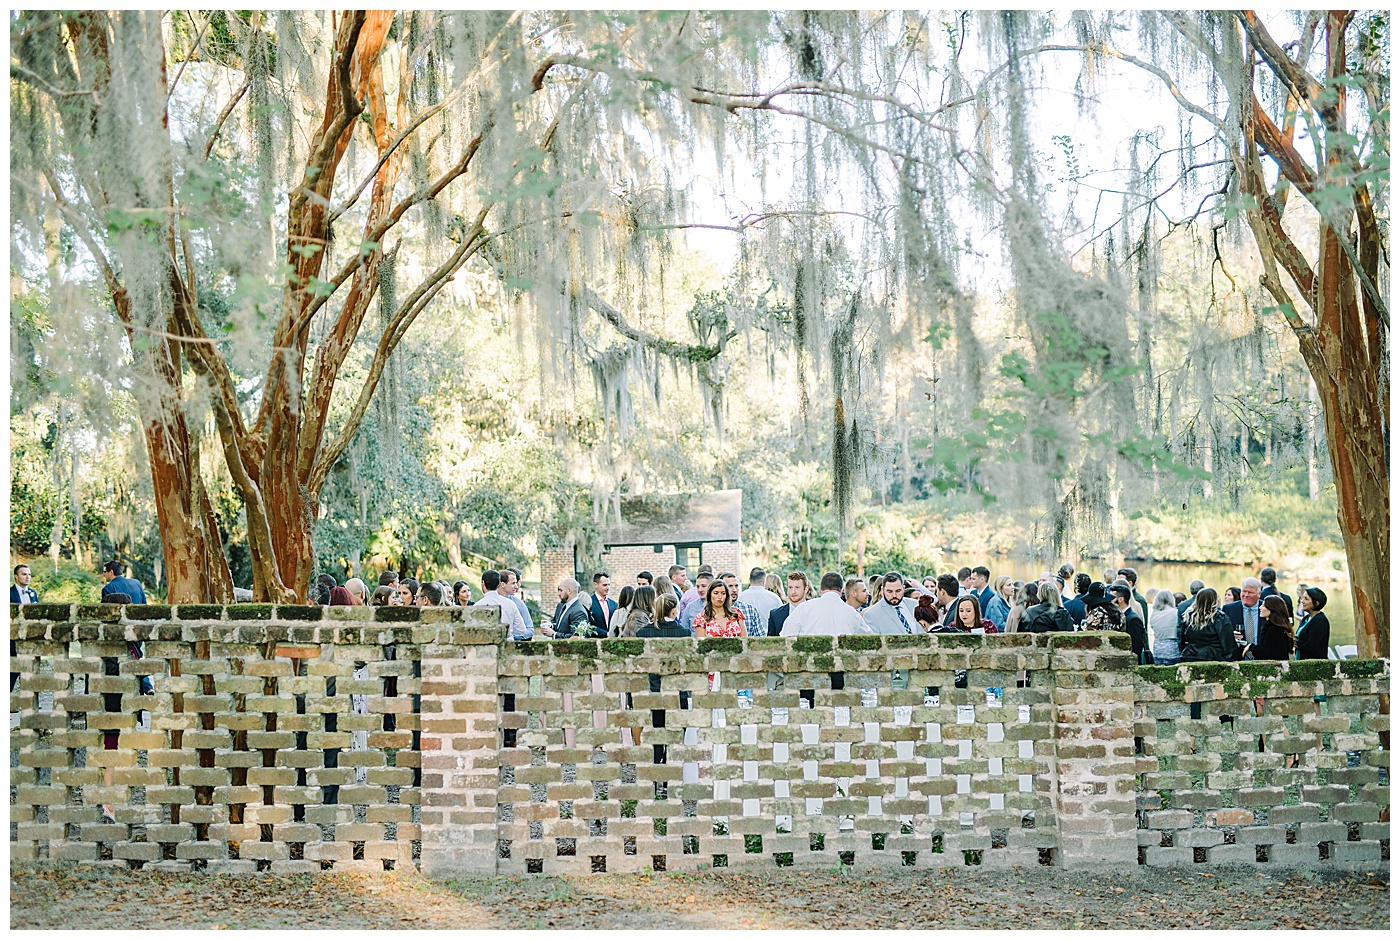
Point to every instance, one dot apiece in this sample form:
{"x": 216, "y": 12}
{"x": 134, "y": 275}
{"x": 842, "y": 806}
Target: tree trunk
{"x": 1351, "y": 400}
{"x": 1312, "y": 440}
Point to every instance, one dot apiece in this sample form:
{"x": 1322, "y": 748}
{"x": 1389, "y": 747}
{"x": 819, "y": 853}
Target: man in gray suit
{"x": 892, "y": 614}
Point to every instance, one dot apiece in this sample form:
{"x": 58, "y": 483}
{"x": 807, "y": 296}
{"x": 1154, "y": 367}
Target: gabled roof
{"x": 705, "y": 517}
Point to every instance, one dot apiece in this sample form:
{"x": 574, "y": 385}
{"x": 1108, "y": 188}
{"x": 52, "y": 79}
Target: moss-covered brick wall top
{"x": 256, "y": 623}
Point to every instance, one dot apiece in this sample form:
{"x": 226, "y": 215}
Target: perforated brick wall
{"x": 1263, "y": 763}
{"x": 269, "y": 740}
{"x": 313, "y": 739}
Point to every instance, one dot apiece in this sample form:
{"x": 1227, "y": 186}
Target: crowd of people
{"x": 1251, "y": 621}
{"x": 1254, "y": 620}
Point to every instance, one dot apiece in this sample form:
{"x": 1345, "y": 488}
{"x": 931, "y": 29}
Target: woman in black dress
{"x": 1314, "y": 629}
{"x": 1275, "y": 631}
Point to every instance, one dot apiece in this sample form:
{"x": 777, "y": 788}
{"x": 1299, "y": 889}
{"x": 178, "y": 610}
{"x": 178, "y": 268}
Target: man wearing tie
{"x": 892, "y": 614}
{"x": 1244, "y": 614}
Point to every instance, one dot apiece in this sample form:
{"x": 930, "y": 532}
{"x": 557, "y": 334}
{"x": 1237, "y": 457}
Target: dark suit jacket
{"x": 1314, "y": 637}
{"x": 1133, "y": 626}
{"x": 30, "y": 596}
{"x": 984, "y": 597}
{"x": 1077, "y": 610}
{"x": 777, "y": 617}
{"x": 1273, "y": 589}
{"x": 597, "y": 616}
{"x": 128, "y": 586}
{"x": 566, "y": 627}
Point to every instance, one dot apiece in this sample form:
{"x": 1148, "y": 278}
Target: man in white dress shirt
{"x": 828, "y": 615}
{"x": 510, "y": 614}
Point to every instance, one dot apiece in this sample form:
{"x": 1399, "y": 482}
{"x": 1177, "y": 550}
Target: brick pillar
{"x": 1094, "y": 786}
{"x": 555, "y": 564}
{"x": 460, "y": 746}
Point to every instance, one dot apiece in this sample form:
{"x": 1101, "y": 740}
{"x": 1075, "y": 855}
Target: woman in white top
{"x": 1164, "y": 626}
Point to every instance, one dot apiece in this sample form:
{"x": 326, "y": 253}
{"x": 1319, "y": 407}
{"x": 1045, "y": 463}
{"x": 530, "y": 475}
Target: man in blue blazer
{"x": 979, "y": 588}
{"x": 117, "y": 583}
{"x": 1075, "y": 606}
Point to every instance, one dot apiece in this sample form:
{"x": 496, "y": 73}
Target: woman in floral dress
{"x": 718, "y": 617}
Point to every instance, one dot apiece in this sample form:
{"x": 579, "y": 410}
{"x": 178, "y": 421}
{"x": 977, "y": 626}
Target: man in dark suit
{"x": 1270, "y": 578}
{"x": 1132, "y": 624}
{"x": 117, "y": 583}
{"x": 570, "y": 616}
{"x": 796, "y": 593}
{"x": 600, "y": 606}
{"x": 1075, "y": 605}
{"x": 20, "y": 591}
{"x": 1196, "y": 587}
{"x": 1244, "y": 614}
{"x": 979, "y": 588}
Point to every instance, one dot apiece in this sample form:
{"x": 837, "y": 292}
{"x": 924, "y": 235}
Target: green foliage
{"x": 69, "y": 584}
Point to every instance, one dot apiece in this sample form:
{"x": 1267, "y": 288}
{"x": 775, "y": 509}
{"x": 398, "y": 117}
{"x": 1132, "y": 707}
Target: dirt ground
{"x": 89, "y": 898}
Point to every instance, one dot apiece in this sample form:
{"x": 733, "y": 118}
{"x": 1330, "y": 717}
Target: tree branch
{"x": 689, "y": 352}
{"x": 223, "y": 116}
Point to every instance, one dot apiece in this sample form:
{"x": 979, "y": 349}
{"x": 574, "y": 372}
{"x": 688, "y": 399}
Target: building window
{"x": 689, "y": 555}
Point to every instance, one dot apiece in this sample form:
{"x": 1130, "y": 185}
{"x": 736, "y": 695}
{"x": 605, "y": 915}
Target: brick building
{"x": 652, "y": 537}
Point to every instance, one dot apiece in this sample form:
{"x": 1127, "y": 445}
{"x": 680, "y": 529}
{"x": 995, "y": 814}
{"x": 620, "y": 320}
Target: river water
{"x": 1176, "y": 577}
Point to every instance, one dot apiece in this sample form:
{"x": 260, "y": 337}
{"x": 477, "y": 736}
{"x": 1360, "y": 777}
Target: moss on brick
{"x": 47, "y": 611}
{"x": 624, "y": 647}
{"x": 824, "y": 663}
{"x": 584, "y": 649}
{"x": 528, "y": 648}
{"x": 946, "y": 640}
{"x": 396, "y": 614}
{"x": 199, "y": 612}
{"x": 730, "y": 645}
{"x": 912, "y": 641}
{"x": 1260, "y": 670}
{"x": 107, "y": 613}
{"x": 859, "y": 642}
{"x": 299, "y": 612}
{"x": 148, "y": 611}
{"x": 1210, "y": 672}
{"x": 812, "y": 644}
{"x": 249, "y": 611}
{"x": 1311, "y": 670}
{"x": 1362, "y": 668}
{"x": 1071, "y": 641}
